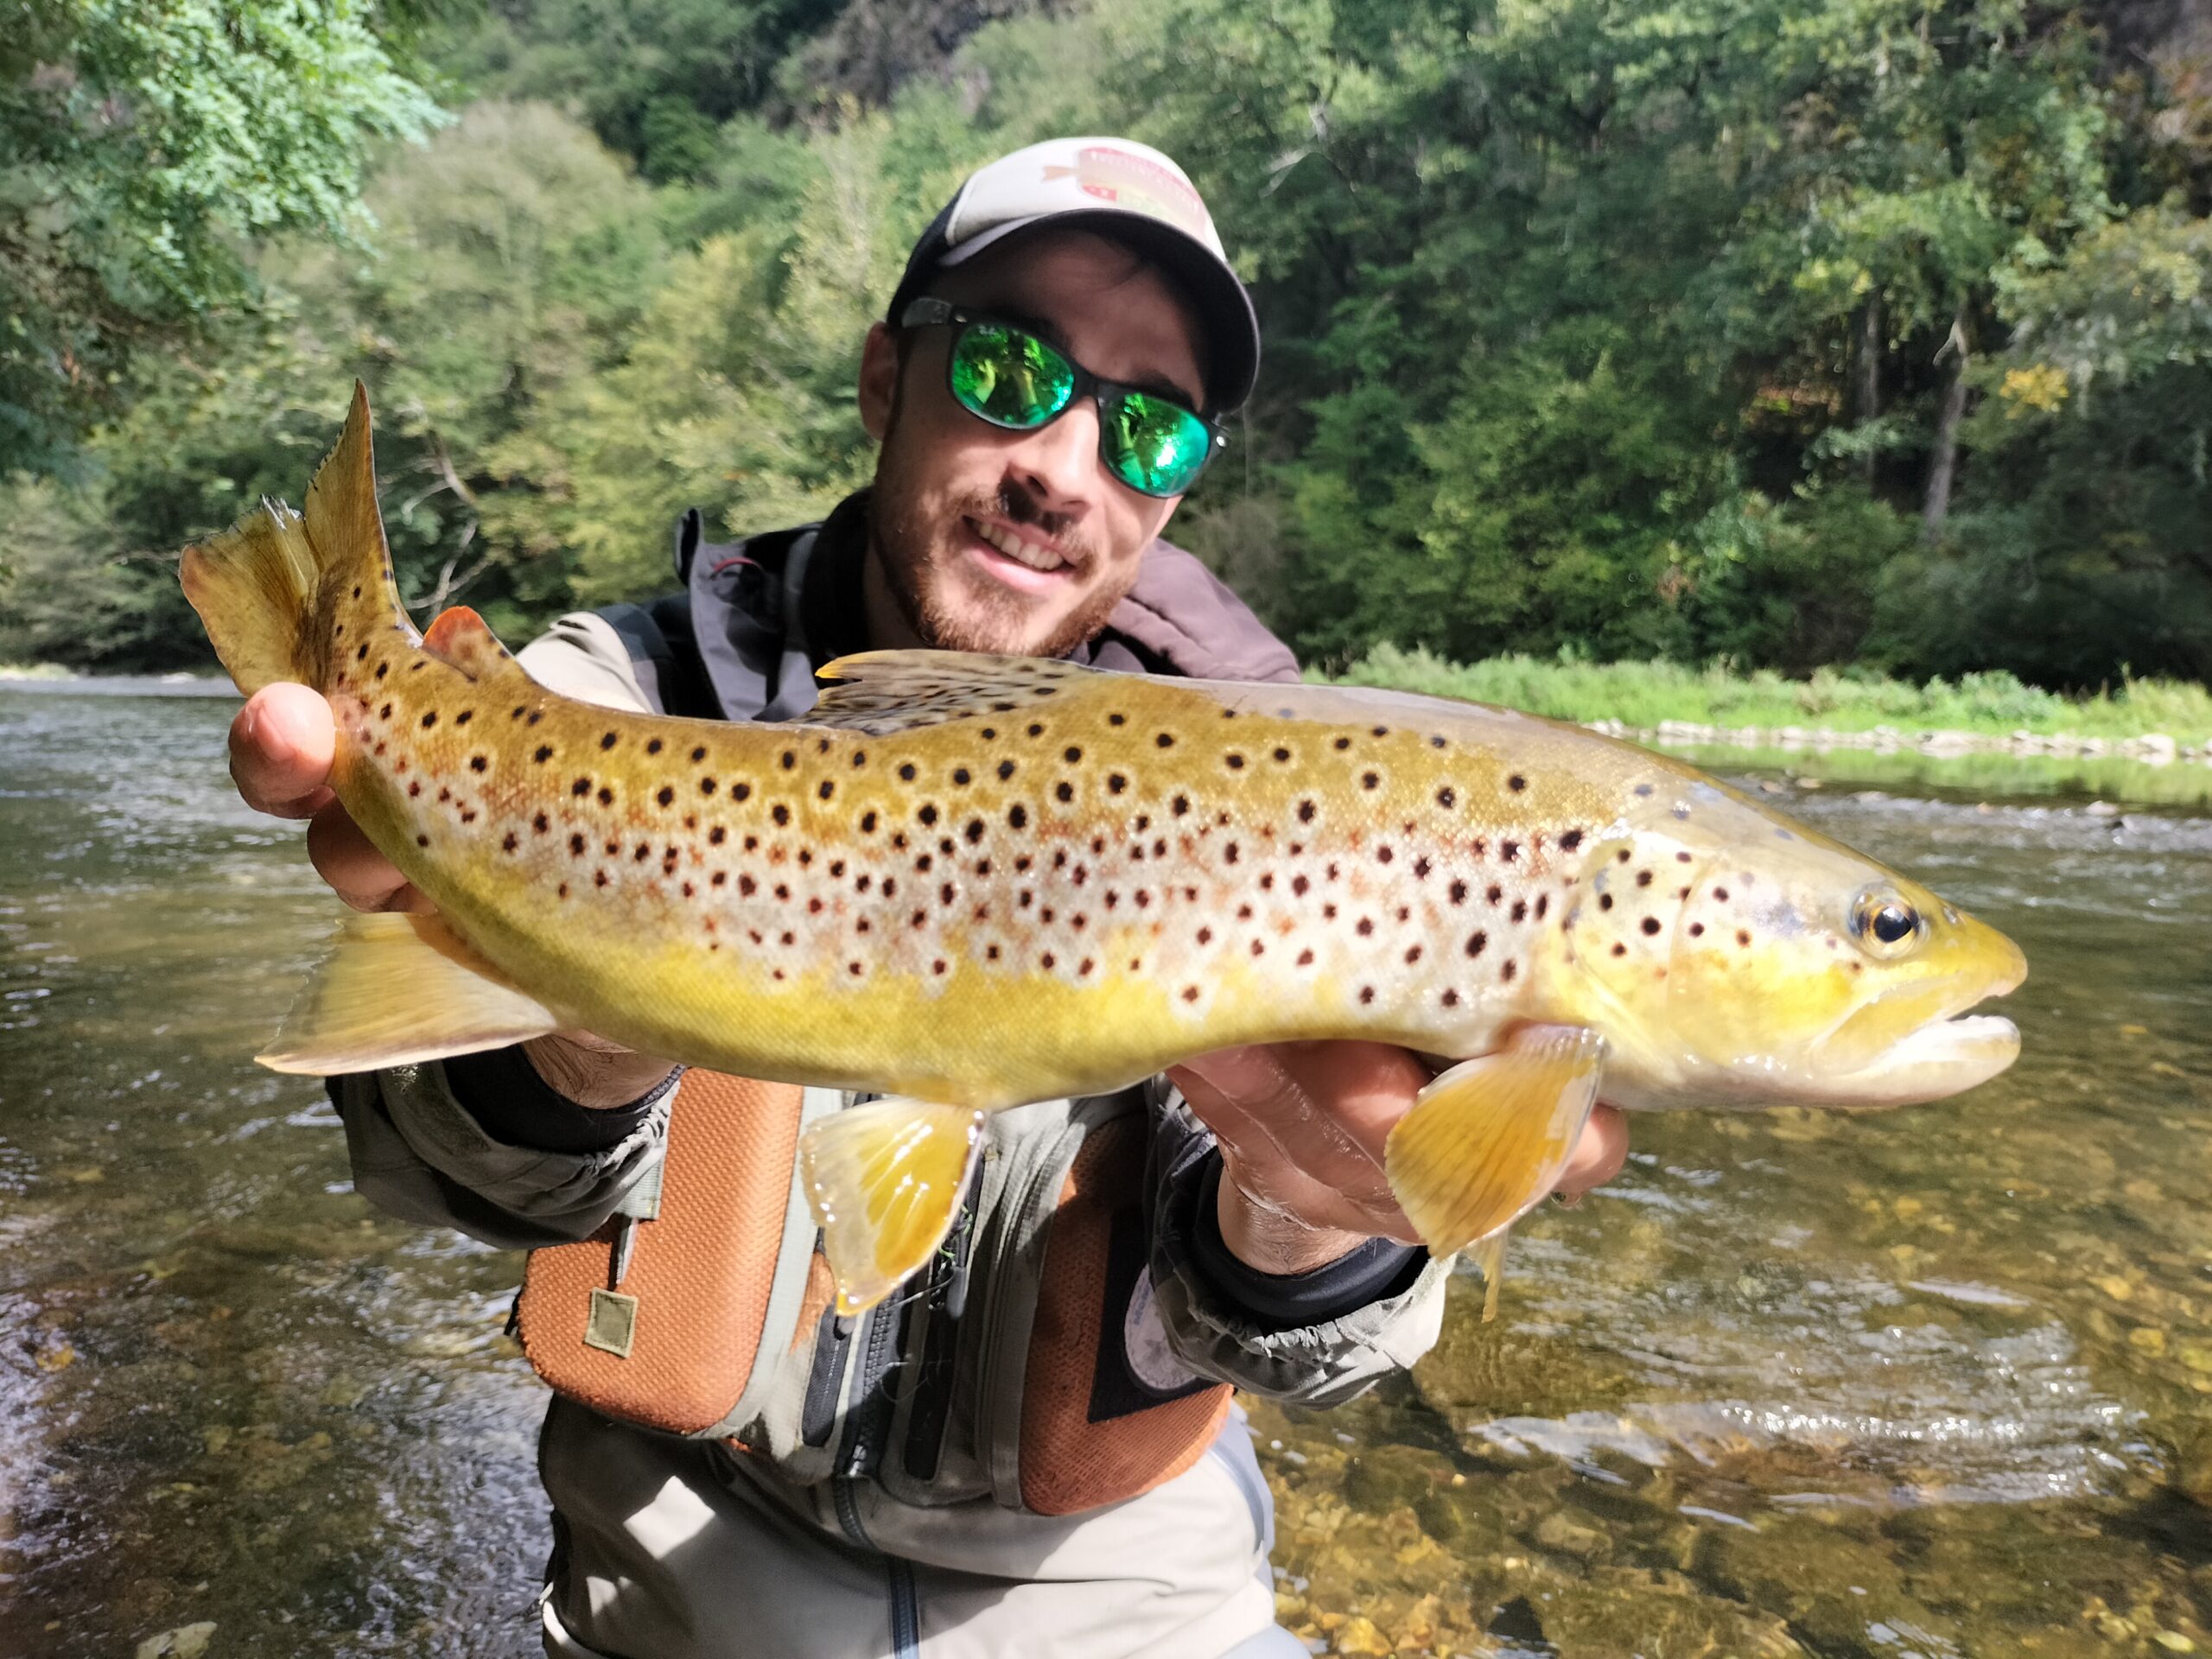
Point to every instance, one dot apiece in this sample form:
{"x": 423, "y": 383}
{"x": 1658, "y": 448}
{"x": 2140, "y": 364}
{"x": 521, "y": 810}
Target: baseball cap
{"x": 1120, "y": 188}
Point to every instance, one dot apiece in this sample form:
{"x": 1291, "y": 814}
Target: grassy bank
{"x": 1644, "y": 695}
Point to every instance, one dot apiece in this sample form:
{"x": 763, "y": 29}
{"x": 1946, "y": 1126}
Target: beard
{"x": 951, "y": 613}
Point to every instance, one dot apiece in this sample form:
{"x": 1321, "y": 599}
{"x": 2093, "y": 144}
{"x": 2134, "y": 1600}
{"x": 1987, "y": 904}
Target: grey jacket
{"x": 888, "y": 1548}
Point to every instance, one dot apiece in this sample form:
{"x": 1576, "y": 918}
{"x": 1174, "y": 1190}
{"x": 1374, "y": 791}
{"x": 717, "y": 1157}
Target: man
{"x": 1048, "y": 380}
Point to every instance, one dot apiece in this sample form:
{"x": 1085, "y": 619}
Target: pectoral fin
{"x": 1489, "y": 1138}
{"x": 883, "y": 1180}
{"x": 395, "y": 990}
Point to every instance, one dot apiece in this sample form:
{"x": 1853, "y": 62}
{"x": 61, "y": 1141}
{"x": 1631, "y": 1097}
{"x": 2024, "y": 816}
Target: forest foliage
{"x": 1787, "y": 333}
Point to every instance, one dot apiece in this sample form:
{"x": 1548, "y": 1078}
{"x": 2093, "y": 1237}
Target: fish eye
{"x": 1884, "y": 923}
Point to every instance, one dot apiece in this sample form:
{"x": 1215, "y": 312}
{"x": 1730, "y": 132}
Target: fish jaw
{"x": 1928, "y": 1043}
{"x": 1942, "y": 1058}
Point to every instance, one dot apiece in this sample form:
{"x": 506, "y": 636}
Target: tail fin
{"x": 275, "y": 590}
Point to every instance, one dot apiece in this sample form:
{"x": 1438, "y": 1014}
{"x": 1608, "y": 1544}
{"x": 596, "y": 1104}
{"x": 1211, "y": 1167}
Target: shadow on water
{"x": 1933, "y": 1382}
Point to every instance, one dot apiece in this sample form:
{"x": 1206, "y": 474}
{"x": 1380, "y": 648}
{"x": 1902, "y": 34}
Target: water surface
{"x": 1936, "y": 1383}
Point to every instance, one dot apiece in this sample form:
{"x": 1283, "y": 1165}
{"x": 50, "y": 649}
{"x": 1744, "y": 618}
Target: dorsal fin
{"x": 459, "y": 638}
{"x": 882, "y": 691}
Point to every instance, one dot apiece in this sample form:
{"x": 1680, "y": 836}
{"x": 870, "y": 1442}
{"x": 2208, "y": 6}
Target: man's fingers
{"x": 1599, "y": 1155}
{"x": 1262, "y": 1103}
{"x": 356, "y": 871}
{"x": 282, "y": 743}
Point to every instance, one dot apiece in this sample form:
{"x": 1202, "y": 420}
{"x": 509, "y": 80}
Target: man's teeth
{"x": 1022, "y": 552}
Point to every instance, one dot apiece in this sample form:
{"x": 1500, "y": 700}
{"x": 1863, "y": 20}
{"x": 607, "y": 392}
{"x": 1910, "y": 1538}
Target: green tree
{"x": 141, "y": 145}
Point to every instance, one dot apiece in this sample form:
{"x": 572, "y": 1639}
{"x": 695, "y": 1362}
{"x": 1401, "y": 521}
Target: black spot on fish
{"x": 1115, "y": 783}
{"x": 1006, "y": 770}
{"x": 653, "y": 746}
{"x": 1370, "y": 780}
{"x": 1447, "y": 797}
{"x": 606, "y": 742}
{"x": 780, "y": 813}
{"x": 1650, "y": 924}
{"x": 582, "y": 786}
{"x": 1477, "y": 942}
{"x": 1570, "y": 841}
{"x": 666, "y": 796}
{"x": 477, "y": 763}
{"x": 906, "y": 772}
{"x": 545, "y": 753}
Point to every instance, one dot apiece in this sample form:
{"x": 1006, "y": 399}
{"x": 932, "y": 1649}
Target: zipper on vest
{"x": 869, "y": 1414}
{"x": 942, "y": 1303}
{"x": 825, "y": 1379}
{"x": 905, "y": 1610}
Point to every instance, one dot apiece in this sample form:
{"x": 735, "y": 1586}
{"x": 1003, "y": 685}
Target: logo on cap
{"x": 1141, "y": 186}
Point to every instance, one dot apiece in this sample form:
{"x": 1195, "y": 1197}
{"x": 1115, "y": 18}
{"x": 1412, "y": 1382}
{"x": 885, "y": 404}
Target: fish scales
{"x": 970, "y": 883}
{"x": 1133, "y": 864}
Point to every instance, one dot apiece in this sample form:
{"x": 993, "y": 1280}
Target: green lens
{"x": 1009, "y": 377}
{"x": 1154, "y": 446}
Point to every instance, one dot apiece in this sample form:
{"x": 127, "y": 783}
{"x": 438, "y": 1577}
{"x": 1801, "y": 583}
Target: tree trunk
{"x": 1943, "y": 463}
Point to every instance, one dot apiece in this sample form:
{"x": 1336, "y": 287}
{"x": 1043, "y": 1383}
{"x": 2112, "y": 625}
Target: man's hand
{"x": 282, "y": 745}
{"x": 1301, "y": 1128}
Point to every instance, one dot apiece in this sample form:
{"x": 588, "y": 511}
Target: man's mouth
{"x": 1032, "y": 555}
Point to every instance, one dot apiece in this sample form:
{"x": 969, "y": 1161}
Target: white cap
{"x": 1122, "y": 189}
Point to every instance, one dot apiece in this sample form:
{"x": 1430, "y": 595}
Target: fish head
{"x": 1734, "y": 958}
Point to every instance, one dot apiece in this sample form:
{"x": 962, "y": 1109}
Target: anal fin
{"x": 883, "y": 1180}
{"x": 397, "y": 989}
{"x": 1488, "y": 1139}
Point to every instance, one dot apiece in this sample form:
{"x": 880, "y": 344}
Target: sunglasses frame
{"x": 929, "y": 313}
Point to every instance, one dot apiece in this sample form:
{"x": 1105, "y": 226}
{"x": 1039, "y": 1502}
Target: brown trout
{"x": 970, "y": 882}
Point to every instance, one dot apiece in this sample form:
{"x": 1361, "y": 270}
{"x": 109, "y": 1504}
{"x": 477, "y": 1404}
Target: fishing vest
{"x": 1026, "y": 1361}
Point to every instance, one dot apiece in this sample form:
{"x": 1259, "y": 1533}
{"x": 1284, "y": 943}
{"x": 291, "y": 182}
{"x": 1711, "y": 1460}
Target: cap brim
{"x": 1226, "y": 313}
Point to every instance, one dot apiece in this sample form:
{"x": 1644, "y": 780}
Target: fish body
{"x": 975, "y": 882}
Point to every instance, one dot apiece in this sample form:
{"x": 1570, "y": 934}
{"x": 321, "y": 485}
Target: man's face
{"x": 1017, "y": 542}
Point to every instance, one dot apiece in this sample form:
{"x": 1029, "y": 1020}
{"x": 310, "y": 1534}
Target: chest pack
{"x": 1026, "y": 1364}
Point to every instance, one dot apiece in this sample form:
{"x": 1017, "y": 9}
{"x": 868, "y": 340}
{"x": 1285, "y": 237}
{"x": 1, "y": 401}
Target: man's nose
{"x": 1058, "y": 462}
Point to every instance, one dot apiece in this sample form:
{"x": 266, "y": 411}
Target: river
{"x": 1936, "y": 1383}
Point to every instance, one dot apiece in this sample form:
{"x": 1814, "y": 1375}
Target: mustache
{"x": 1015, "y": 506}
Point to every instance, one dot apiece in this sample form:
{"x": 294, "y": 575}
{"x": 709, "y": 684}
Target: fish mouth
{"x": 1950, "y": 1054}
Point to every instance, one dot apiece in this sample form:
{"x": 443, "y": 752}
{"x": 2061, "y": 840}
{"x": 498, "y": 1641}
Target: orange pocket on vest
{"x": 672, "y": 1345}
{"x": 1107, "y": 1410}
